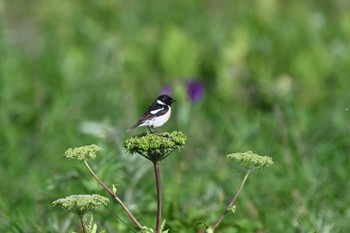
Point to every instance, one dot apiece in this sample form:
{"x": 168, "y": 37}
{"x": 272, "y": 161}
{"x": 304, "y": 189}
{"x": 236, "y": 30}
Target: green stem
{"x": 82, "y": 224}
{"x": 120, "y": 219}
{"x": 232, "y": 201}
{"x": 159, "y": 196}
{"x": 121, "y": 203}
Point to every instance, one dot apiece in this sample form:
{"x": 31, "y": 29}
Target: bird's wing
{"x": 149, "y": 114}
{"x": 153, "y": 113}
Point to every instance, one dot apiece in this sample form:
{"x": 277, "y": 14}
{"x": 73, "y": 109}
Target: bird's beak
{"x": 173, "y": 101}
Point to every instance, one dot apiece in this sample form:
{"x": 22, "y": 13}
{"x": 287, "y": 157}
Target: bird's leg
{"x": 155, "y": 130}
{"x": 160, "y": 134}
{"x": 149, "y": 128}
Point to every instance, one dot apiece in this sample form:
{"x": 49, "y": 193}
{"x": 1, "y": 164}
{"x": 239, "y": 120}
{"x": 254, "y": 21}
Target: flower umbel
{"x": 251, "y": 161}
{"x": 81, "y": 204}
{"x": 83, "y": 152}
{"x": 155, "y": 147}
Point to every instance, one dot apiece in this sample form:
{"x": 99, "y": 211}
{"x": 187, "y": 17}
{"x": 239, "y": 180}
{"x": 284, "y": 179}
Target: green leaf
{"x": 201, "y": 223}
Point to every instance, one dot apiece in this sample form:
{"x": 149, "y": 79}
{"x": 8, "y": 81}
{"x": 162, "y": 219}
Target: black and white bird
{"x": 157, "y": 114}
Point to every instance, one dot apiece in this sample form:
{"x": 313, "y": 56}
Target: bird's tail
{"x": 132, "y": 127}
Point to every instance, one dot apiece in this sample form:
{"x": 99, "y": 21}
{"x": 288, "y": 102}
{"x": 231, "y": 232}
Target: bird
{"x": 156, "y": 115}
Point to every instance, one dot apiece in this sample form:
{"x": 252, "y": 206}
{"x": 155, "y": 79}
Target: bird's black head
{"x": 165, "y": 99}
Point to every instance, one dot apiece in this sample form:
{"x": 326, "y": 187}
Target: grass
{"x": 276, "y": 82}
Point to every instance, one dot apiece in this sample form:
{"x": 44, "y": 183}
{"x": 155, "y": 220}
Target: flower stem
{"x": 232, "y": 201}
{"x": 159, "y": 196}
{"x": 82, "y": 224}
{"x": 121, "y": 203}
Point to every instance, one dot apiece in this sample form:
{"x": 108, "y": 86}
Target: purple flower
{"x": 195, "y": 90}
{"x": 167, "y": 90}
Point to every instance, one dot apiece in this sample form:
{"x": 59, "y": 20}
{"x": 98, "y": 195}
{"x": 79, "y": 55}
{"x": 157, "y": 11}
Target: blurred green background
{"x": 275, "y": 79}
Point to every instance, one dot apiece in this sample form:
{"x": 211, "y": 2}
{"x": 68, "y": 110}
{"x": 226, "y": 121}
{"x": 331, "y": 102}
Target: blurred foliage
{"x": 276, "y": 82}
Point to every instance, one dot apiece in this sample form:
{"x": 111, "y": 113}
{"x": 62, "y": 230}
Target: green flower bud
{"x": 114, "y": 189}
{"x": 232, "y": 209}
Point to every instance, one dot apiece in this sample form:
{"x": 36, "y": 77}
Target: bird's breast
{"x": 161, "y": 120}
